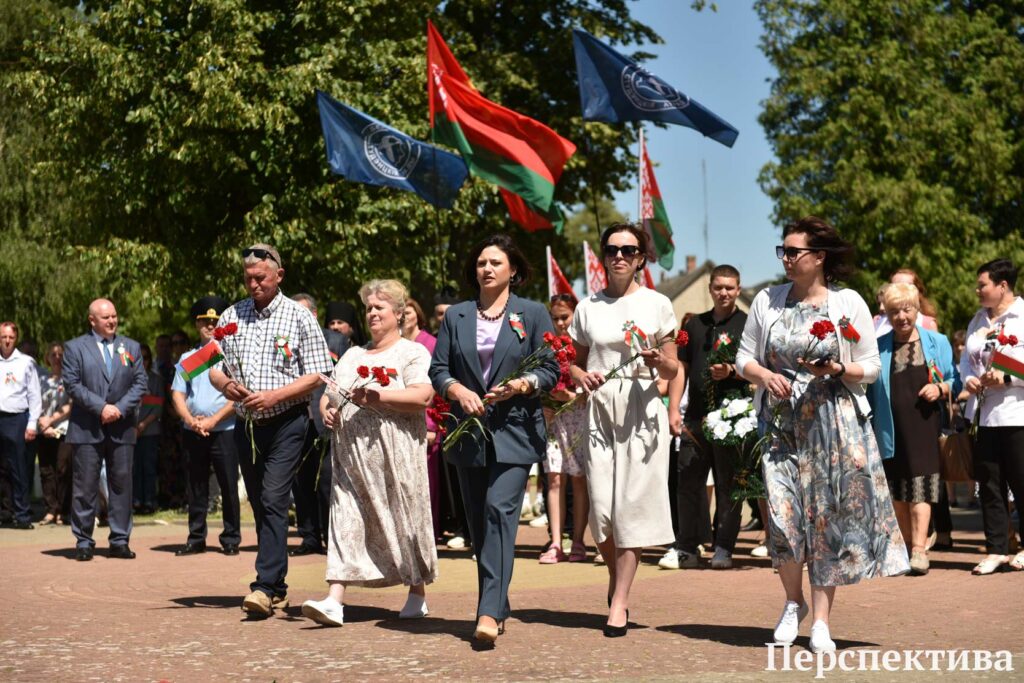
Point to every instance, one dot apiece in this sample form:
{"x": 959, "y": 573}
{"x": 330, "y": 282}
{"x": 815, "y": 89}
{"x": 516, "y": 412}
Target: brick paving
{"x": 160, "y": 617}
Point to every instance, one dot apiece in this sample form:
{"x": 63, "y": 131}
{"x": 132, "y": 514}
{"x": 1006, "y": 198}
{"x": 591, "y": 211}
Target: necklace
{"x": 491, "y": 319}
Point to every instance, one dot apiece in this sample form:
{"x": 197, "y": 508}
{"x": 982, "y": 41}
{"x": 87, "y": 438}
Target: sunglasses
{"x": 562, "y": 297}
{"x": 261, "y": 254}
{"x": 791, "y": 253}
{"x": 627, "y": 250}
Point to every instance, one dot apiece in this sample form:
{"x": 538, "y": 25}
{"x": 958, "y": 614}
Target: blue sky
{"x": 714, "y": 58}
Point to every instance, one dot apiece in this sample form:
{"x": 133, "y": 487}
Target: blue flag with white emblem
{"x": 361, "y": 148}
{"x": 614, "y": 88}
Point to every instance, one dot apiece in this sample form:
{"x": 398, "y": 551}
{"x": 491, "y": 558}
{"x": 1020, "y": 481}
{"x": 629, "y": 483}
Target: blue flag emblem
{"x": 365, "y": 150}
{"x": 614, "y": 88}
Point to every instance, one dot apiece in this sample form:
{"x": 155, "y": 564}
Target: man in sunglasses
{"x": 713, "y": 333}
{"x": 272, "y": 363}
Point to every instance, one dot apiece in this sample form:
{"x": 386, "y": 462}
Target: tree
{"x": 900, "y": 123}
{"x": 581, "y": 227}
{"x": 182, "y": 131}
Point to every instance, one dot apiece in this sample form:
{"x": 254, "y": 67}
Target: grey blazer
{"x": 85, "y": 379}
{"x": 517, "y": 424}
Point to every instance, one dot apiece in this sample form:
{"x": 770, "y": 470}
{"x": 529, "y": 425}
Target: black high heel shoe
{"x": 615, "y": 631}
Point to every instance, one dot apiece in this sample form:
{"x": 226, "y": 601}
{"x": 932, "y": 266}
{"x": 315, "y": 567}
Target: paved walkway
{"x": 161, "y": 617}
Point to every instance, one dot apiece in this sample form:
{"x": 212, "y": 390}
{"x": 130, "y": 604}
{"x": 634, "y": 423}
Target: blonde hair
{"x": 392, "y": 290}
{"x": 900, "y": 294}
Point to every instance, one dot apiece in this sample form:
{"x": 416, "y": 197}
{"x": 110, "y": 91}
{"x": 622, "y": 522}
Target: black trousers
{"x": 268, "y": 476}
{"x": 312, "y": 491}
{"x": 998, "y": 464}
{"x": 85, "y": 483}
{"x": 14, "y": 476}
{"x": 55, "y": 474}
{"x": 203, "y": 452}
{"x": 695, "y": 458}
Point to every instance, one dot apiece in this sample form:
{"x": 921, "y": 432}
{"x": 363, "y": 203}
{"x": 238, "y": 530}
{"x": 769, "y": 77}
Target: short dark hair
{"x": 643, "y": 240}
{"x": 725, "y": 270}
{"x": 446, "y": 297}
{"x": 823, "y": 237}
{"x": 1000, "y": 270}
{"x": 515, "y": 259}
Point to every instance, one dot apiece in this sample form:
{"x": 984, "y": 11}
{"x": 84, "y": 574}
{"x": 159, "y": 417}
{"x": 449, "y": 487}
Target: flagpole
{"x": 640, "y": 176}
{"x": 551, "y": 280}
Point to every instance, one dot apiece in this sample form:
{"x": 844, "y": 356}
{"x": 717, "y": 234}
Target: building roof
{"x": 674, "y": 286}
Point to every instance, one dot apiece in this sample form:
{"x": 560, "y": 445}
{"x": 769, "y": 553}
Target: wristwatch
{"x": 1007, "y": 379}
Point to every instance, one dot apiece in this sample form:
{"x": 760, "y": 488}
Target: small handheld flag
{"x": 200, "y": 361}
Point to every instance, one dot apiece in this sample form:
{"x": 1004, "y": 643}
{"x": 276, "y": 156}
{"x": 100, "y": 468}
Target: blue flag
{"x": 614, "y": 88}
{"x": 365, "y": 150}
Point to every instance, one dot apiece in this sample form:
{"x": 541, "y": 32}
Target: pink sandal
{"x": 578, "y": 553}
{"x": 553, "y": 555}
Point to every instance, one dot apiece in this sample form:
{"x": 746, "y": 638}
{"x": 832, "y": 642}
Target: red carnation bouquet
{"x": 373, "y": 375}
{"x": 820, "y": 331}
{"x": 562, "y": 353}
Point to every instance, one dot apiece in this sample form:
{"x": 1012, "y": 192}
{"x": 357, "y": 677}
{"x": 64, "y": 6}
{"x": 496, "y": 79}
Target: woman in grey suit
{"x": 480, "y": 343}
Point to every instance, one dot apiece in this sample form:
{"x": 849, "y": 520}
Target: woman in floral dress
{"x": 809, "y": 348}
{"x": 381, "y": 532}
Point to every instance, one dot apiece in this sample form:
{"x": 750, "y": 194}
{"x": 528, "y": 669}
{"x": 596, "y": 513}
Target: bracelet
{"x": 842, "y": 371}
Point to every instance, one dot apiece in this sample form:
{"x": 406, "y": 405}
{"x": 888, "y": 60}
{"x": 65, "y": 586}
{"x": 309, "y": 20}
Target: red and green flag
{"x": 151, "y": 403}
{"x": 1008, "y": 364}
{"x": 200, "y": 361}
{"x": 653, "y": 214}
{"x": 519, "y": 154}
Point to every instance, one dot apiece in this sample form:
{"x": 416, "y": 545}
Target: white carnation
{"x": 744, "y": 427}
{"x": 736, "y": 407}
{"x": 721, "y": 431}
{"x": 714, "y": 418}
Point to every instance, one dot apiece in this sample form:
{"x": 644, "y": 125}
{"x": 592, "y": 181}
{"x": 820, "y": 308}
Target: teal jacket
{"x": 936, "y": 349}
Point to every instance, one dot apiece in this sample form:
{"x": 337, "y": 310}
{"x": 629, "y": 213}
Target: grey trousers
{"x": 493, "y": 496}
{"x": 85, "y": 483}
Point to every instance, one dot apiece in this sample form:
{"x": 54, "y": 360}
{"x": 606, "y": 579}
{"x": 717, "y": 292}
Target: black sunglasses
{"x": 262, "y": 254}
{"x": 628, "y": 250}
{"x": 562, "y": 297}
{"x": 790, "y": 253}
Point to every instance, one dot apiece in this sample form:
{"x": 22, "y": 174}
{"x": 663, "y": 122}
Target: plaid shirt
{"x": 273, "y": 347}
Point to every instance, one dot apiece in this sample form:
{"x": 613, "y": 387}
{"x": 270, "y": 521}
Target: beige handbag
{"x": 956, "y": 448}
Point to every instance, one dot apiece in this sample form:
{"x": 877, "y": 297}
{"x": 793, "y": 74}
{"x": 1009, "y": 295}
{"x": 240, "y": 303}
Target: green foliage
{"x": 900, "y": 122}
{"x": 157, "y": 138}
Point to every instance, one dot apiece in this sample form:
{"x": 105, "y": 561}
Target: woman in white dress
{"x": 381, "y": 532}
{"x": 627, "y": 462}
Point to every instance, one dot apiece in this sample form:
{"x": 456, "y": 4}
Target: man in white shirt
{"x": 20, "y": 405}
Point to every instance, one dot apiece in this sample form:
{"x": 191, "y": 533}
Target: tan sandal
{"x": 989, "y": 565}
{"x": 1017, "y": 563}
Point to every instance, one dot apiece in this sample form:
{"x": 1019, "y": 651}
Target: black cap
{"x": 341, "y": 310}
{"x": 208, "y": 307}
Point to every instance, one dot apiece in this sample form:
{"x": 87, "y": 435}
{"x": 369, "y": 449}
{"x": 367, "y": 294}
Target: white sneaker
{"x": 670, "y": 560}
{"x": 527, "y": 506}
{"x": 789, "y": 623}
{"x": 759, "y": 551}
{"x": 722, "y": 559}
{"x": 539, "y": 521}
{"x": 821, "y": 639}
{"x": 457, "y": 543}
{"x": 415, "y": 607}
{"x": 327, "y": 611}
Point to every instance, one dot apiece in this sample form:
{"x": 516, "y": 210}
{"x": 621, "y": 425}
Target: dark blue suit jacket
{"x": 85, "y": 379}
{"x": 516, "y": 425}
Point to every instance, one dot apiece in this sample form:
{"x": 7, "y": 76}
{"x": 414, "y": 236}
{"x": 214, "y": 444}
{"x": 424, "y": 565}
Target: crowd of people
{"x": 840, "y": 462}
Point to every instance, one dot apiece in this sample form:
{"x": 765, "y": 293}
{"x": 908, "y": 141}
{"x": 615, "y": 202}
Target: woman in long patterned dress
{"x": 627, "y": 459}
{"x": 380, "y": 531}
{"x": 828, "y": 500}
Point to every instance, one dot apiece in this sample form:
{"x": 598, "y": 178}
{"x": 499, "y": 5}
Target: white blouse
{"x": 1004, "y": 403}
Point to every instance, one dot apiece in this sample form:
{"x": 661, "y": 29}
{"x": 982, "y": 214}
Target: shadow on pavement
{"x": 66, "y": 553}
{"x": 458, "y": 628}
{"x": 743, "y": 636}
{"x": 208, "y": 601}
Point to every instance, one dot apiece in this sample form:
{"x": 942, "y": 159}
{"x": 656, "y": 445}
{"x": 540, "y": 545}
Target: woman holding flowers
{"x": 627, "y": 460}
{"x": 380, "y": 530}
{"x": 567, "y": 447}
{"x": 991, "y": 367}
{"x": 906, "y": 412}
{"x": 808, "y": 347}
{"x": 481, "y": 348}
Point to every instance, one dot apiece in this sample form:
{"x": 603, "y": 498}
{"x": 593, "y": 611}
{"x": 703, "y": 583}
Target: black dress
{"x": 913, "y": 471}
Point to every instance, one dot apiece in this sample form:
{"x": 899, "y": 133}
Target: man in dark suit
{"x": 104, "y": 376}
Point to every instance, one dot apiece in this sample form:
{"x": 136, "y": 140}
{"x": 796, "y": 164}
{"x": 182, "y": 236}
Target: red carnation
{"x": 441, "y": 405}
{"x": 363, "y": 371}
{"x": 822, "y": 329}
{"x": 1012, "y": 339}
{"x": 549, "y": 337}
{"x": 218, "y": 334}
{"x": 556, "y": 343}
{"x": 682, "y": 338}
{"x": 562, "y": 356}
{"x": 384, "y": 380}
{"x": 570, "y": 353}
{"x": 566, "y": 340}
{"x": 1003, "y": 339}
{"x": 230, "y": 328}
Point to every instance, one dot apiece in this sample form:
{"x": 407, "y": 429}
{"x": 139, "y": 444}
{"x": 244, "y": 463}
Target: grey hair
{"x": 308, "y": 298}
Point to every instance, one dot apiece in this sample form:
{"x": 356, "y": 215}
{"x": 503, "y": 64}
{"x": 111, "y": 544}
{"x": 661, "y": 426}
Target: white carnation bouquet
{"x": 732, "y": 422}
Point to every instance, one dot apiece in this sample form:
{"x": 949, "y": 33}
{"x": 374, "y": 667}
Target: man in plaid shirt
{"x": 272, "y": 364}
